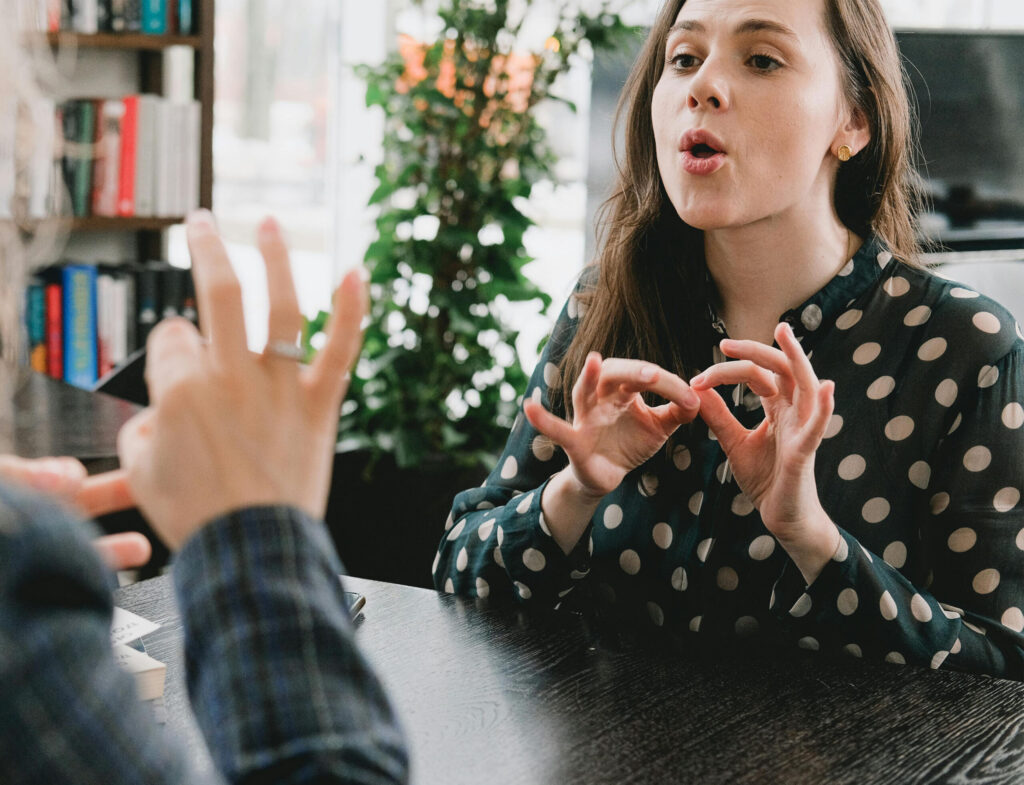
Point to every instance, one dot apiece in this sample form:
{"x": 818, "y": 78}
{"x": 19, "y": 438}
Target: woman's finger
{"x": 803, "y": 373}
{"x": 329, "y": 374}
{"x": 124, "y": 551}
{"x": 105, "y": 493}
{"x": 60, "y": 476}
{"x": 814, "y": 431}
{"x": 133, "y": 439}
{"x": 759, "y": 380}
{"x": 555, "y": 428}
{"x": 584, "y": 392}
{"x": 173, "y": 352}
{"x": 218, "y": 292}
{"x": 715, "y": 412}
{"x": 671, "y": 415}
{"x": 633, "y": 376}
{"x": 284, "y": 321}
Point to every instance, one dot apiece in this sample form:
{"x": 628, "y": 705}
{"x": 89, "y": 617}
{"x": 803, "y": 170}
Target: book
{"x": 149, "y": 674}
{"x": 145, "y": 155}
{"x": 186, "y": 22}
{"x": 54, "y": 328}
{"x": 79, "y": 123}
{"x": 106, "y": 173}
{"x": 8, "y": 140}
{"x": 154, "y": 17}
{"x": 35, "y": 323}
{"x": 79, "y": 285}
{"x": 128, "y": 156}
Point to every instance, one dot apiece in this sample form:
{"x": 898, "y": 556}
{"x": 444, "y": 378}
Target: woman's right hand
{"x": 613, "y": 430}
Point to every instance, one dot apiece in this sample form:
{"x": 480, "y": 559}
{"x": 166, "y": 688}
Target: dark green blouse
{"x": 922, "y": 469}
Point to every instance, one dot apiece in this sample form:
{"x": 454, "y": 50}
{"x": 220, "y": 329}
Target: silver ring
{"x": 285, "y": 350}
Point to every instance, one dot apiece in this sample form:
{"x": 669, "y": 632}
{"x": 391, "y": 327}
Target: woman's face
{"x": 748, "y": 112}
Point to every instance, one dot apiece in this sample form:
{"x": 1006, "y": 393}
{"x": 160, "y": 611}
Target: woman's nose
{"x": 709, "y": 89}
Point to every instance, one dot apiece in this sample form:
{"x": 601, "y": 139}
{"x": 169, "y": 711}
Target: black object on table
{"x": 504, "y": 696}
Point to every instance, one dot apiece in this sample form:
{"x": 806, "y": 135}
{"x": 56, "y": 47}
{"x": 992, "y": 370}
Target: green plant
{"x": 440, "y": 374}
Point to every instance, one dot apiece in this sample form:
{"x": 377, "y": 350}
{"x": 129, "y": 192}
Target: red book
{"x": 54, "y": 331}
{"x": 129, "y": 155}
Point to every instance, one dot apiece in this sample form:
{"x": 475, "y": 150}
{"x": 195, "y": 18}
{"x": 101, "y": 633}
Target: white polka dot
{"x": 895, "y": 554}
{"x": 883, "y": 259}
{"x": 1006, "y": 499}
{"x": 485, "y": 529}
{"x": 572, "y": 307}
{"x": 977, "y": 629}
{"x": 656, "y": 613}
{"x": 510, "y": 468}
{"x": 932, "y": 349}
{"x": 629, "y": 561}
{"x": 946, "y": 392}
{"x": 449, "y": 587}
{"x": 762, "y": 547}
{"x": 727, "y": 579}
{"x": 896, "y": 286}
{"x": 811, "y": 317}
{"x": 852, "y": 467}
{"x": 955, "y": 648}
{"x": 938, "y": 659}
{"x": 801, "y": 607}
{"x": 723, "y": 472}
{"x": 534, "y": 559}
{"x": 939, "y": 503}
{"x": 847, "y": 269}
{"x": 543, "y": 448}
{"x": 853, "y": 650}
{"x": 482, "y": 588}
{"x": 977, "y": 459}
{"x": 867, "y": 555}
{"x": 920, "y": 474}
{"x": 746, "y": 626}
{"x": 881, "y": 387}
{"x": 917, "y": 316}
{"x": 875, "y": 510}
{"x": 498, "y": 558}
{"x": 537, "y": 396}
{"x": 486, "y": 505}
{"x": 986, "y": 322}
{"x": 648, "y": 485}
{"x": 951, "y": 612}
{"x": 500, "y": 536}
{"x": 985, "y": 582}
{"x": 920, "y": 608}
{"x": 1019, "y": 541}
{"x": 552, "y": 376}
{"x": 895, "y": 658}
{"x": 662, "y": 535}
{"x": 842, "y": 551}
{"x": 524, "y": 590}
{"x": 695, "y": 503}
{"x": 703, "y": 547}
{"x": 867, "y": 353}
{"x": 742, "y": 505}
{"x": 849, "y": 319}
{"x": 524, "y": 506}
{"x": 612, "y": 516}
{"x": 1013, "y": 619}
{"x": 679, "y": 581}
{"x": 681, "y": 457}
{"x": 695, "y": 624}
{"x": 809, "y": 643}
{"x": 1013, "y": 416}
{"x": 962, "y": 294}
{"x": 847, "y": 602}
{"x": 448, "y": 523}
{"x": 956, "y": 424}
{"x": 887, "y": 605}
{"x": 988, "y": 376}
{"x": 462, "y": 560}
{"x": 457, "y": 531}
{"x": 437, "y": 560}
{"x": 835, "y": 425}
{"x": 962, "y": 540}
{"x": 899, "y": 428}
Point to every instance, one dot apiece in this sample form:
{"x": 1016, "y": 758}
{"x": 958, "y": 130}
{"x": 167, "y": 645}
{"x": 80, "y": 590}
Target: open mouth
{"x": 703, "y": 151}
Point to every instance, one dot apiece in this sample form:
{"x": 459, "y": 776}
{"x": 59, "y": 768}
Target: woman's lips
{"x": 702, "y": 165}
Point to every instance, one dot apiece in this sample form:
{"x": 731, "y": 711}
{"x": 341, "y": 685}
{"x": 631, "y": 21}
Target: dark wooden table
{"x": 501, "y": 696}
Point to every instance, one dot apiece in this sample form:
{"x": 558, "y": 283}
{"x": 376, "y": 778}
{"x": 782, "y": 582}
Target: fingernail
{"x": 647, "y": 373}
{"x": 698, "y": 379}
{"x": 201, "y": 222}
{"x": 269, "y": 227}
{"x": 691, "y": 398}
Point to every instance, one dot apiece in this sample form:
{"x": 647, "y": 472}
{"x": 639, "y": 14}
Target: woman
{"x": 764, "y": 214}
{"x": 256, "y": 577}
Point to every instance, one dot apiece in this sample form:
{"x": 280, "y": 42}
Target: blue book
{"x": 185, "y": 21}
{"x": 80, "y": 360}
{"x": 35, "y": 322}
{"x": 154, "y": 16}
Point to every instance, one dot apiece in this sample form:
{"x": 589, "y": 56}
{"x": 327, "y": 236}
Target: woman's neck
{"x": 764, "y": 269}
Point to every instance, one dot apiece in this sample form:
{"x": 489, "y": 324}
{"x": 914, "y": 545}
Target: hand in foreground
{"x": 65, "y": 479}
{"x": 229, "y": 429}
{"x": 613, "y": 429}
{"x": 774, "y": 463}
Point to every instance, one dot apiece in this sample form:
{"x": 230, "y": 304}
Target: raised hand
{"x": 774, "y": 463}
{"x": 613, "y": 430}
{"x": 229, "y": 429}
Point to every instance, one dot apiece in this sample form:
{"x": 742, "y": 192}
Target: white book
{"x": 145, "y": 156}
{"x": 8, "y": 137}
{"x": 44, "y": 146}
{"x": 86, "y": 17}
{"x": 179, "y": 68}
{"x": 107, "y": 172}
{"x": 193, "y": 119}
{"x": 165, "y": 143}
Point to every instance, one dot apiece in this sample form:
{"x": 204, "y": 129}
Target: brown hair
{"x": 650, "y": 298}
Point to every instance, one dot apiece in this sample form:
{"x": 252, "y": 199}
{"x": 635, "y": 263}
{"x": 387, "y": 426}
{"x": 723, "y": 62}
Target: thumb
{"x": 716, "y": 414}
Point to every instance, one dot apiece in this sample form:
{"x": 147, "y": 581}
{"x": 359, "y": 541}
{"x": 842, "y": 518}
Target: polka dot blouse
{"x": 922, "y": 468}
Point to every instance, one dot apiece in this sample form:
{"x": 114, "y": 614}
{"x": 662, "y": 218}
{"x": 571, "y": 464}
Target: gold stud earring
{"x": 845, "y": 153}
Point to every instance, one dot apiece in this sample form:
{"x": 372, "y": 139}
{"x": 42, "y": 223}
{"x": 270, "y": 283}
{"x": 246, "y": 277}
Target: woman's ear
{"x": 855, "y": 133}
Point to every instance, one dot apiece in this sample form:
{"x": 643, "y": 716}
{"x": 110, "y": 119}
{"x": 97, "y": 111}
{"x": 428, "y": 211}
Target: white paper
{"x": 127, "y": 627}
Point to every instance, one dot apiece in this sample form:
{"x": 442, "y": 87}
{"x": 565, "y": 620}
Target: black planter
{"x": 388, "y": 527}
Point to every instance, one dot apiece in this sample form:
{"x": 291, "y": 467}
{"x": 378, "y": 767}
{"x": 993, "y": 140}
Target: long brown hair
{"x": 650, "y": 298}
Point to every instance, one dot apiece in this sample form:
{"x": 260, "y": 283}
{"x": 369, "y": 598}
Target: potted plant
{"x": 436, "y": 390}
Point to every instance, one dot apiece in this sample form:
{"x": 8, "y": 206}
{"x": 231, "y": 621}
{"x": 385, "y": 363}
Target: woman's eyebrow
{"x": 746, "y": 27}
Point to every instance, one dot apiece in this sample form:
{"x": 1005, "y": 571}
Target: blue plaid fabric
{"x": 278, "y": 687}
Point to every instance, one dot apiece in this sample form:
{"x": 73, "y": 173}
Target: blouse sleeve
{"x": 496, "y": 543}
{"x": 968, "y": 614}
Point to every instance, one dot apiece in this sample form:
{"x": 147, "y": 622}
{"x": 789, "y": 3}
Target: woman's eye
{"x": 683, "y": 62}
{"x": 765, "y": 63}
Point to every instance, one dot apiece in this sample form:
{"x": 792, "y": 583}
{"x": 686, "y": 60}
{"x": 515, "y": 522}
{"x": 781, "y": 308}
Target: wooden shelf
{"x": 123, "y": 41}
{"x": 103, "y": 224}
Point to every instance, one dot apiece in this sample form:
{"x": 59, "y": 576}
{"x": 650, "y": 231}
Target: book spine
{"x": 103, "y": 14}
{"x": 35, "y": 324}
{"x": 147, "y": 295}
{"x": 53, "y": 13}
{"x": 86, "y": 16}
{"x": 129, "y": 157}
{"x": 105, "y": 312}
{"x": 80, "y": 139}
{"x": 44, "y": 145}
{"x": 145, "y": 156}
{"x": 8, "y": 140}
{"x": 80, "y": 325}
{"x": 118, "y": 19}
{"x": 133, "y": 16}
{"x": 54, "y": 331}
{"x": 106, "y": 176}
{"x": 154, "y": 17}
{"x": 185, "y": 19}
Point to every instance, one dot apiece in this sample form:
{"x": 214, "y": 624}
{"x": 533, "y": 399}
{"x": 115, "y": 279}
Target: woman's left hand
{"x": 774, "y": 463}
